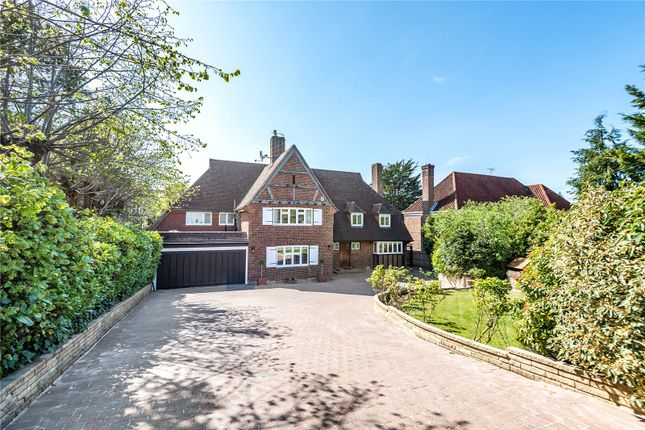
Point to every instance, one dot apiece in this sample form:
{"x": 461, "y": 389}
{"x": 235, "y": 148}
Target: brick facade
{"x": 176, "y": 220}
{"x": 263, "y": 236}
{"x": 414, "y": 225}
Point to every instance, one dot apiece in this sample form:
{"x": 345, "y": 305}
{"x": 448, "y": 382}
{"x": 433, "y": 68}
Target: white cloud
{"x": 439, "y": 79}
{"x": 454, "y": 161}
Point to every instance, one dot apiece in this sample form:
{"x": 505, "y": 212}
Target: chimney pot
{"x": 276, "y": 146}
{"x": 427, "y": 187}
{"x": 377, "y": 178}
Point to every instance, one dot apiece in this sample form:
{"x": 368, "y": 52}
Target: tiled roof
{"x": 344, "y": 187}
{"x": 352, "y": 207}
{"x": 548, "y": 196}
{"x": 458, "y": 188}
{"x": 223, "y": 186}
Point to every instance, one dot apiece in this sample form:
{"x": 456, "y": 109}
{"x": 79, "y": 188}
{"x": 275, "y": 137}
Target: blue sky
{"x": 464, "y": 86}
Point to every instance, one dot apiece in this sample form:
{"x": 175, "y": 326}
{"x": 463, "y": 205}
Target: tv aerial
{"x": 262, "y": 157}
{"x": 490, "y": 170}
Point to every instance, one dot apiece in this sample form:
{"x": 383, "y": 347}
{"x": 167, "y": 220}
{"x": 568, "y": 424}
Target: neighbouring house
{"x": 514, "y": 270}
{"x": 458, "y": 188}
{"x": 282, "y": 220}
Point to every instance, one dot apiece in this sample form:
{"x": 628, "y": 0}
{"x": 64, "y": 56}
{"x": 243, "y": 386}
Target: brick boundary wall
{"x": 525, "y": 363}
{"x": 24, "y": 386}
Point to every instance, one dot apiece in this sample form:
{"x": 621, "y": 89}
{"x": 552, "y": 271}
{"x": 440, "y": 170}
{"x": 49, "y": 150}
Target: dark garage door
{"x": 179, "y": 269}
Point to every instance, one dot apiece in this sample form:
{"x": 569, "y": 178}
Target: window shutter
{"x": 272, "y": 256}
{"x": 267, "y": 216}
{"x": 313, "y": 255}
{"x": 317, "y": 216}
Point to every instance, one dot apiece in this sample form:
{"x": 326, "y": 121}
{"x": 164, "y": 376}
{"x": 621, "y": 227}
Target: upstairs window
{"x": 199, "y": 218}
{"x": 384, "y": 220}
{"x": 292, "y": 216}
{"x": 226, "y": 218}
{"x": 357, "y": 219}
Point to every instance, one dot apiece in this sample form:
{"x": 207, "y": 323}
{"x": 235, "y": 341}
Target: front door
{"x": 345, "y": 253}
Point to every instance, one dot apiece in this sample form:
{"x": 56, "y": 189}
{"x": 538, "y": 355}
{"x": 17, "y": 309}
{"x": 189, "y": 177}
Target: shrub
{"x": 585, "y": 288}
{"x": 389, "y": 282}
{"x": 423, "y": 298}
{"x": 481, "y": 238}
{"x": 493, "y": 303}
{"x": 59, "y": 268}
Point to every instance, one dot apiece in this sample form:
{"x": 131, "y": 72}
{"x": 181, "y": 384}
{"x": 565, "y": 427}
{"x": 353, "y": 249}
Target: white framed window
{"x": 291, "y": 216}
{"x": 199, "y": 218}
{"x": 226, "y": 218}
{"x": 388, "y": 247}
{"x": 335, "y": 246}
{"x": 384, "y": 220}
{"x": 356, "y": 246}
{"x": 292, "y": 255}
{"x": 357, "y": 219}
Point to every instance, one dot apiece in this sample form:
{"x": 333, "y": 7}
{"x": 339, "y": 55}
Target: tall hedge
{"x": 585, "y": 288}
{"x": 59, "y": 268}
{"x": 481, "y": 238}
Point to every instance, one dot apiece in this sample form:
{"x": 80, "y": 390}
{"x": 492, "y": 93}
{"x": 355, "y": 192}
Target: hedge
{"x": 585, "y": 287}
{"x": 59, "y": 268}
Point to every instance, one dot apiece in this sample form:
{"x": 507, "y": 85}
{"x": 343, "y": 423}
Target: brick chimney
{"x": 427, "y": 187}
{"x": 276, "y": 146}
{"x": 377, "y": 178}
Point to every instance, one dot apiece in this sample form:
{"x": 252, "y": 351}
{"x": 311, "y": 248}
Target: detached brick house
{"x": 282, "y": 220}
{"x": 458, "y": 188}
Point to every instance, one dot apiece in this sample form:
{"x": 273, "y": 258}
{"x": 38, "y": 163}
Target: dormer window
{"x": 199, "y": 218}
{"x": 226, "y": 218}
{"x": 357, "y": 219}
{"x": 384, "y": 220}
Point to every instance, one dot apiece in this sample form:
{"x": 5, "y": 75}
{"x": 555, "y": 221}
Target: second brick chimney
{"x": 276, "y": 146}
{"x": 427, "y": 187}
{"x": 377, "y": 178}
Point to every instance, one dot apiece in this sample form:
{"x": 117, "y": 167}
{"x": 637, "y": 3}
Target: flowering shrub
{"x": 59, "y": 268}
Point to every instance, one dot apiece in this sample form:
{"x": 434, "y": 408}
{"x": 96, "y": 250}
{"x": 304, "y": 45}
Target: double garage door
{"x": 195, "y": 267}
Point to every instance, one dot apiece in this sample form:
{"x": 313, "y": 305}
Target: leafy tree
{"x": 482, "y": 237}
{"x": 493, "y": 303}
{"x": 585, "y": 287}
{"x": 607, "y": 161}
{"x": 95, "y": 89}
{"x": 401, "y": 185}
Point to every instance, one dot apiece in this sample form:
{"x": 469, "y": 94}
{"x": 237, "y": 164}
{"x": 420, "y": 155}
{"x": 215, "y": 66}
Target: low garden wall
{"x": 525, "y": 363}
{"x": 19, "y": 389}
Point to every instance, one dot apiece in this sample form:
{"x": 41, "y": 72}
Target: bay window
{"x": 388, "y": 247}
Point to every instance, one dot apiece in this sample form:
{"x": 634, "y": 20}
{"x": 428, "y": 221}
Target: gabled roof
{"x": 273, "y": 169}
{"x": 458, "y": 188}
{"x": 352, "y": 207}
{"x": 548, "y": 196}
{"x": 344, "y": 187}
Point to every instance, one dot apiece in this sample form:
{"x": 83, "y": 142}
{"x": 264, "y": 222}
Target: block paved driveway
{"x": 293, "y": 356}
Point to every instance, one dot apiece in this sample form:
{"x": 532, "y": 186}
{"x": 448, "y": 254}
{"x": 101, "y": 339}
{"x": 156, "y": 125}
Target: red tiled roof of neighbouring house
{"x": 548, "y": 196}
{"x": 458, "y": 188}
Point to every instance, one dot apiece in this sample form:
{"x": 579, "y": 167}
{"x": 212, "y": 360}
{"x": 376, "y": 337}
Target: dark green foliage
{"x": 481, "y": 238}
{"x": 637, "y": 119}
{"x": 607, "y": 161}
{"x": 585, "y": 288}
{"x": 401, "y": 185}
{"x": 59, "y": 269}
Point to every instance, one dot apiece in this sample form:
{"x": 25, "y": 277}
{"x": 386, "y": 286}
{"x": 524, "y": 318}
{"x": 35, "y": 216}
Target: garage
{"x": 209, "y": 263}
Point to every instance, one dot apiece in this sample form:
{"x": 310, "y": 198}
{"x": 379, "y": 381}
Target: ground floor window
{"x": 335, "y": 246}
{"x": 292, "y": 255}
{"x": 356, "y": 246}
{"x": 388, "y": 247}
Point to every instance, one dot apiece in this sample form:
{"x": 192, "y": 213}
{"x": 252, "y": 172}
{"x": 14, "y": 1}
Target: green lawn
{"x": 457, "y": 314}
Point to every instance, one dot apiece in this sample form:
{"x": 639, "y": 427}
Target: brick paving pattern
{"x": 304, "y": 356}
